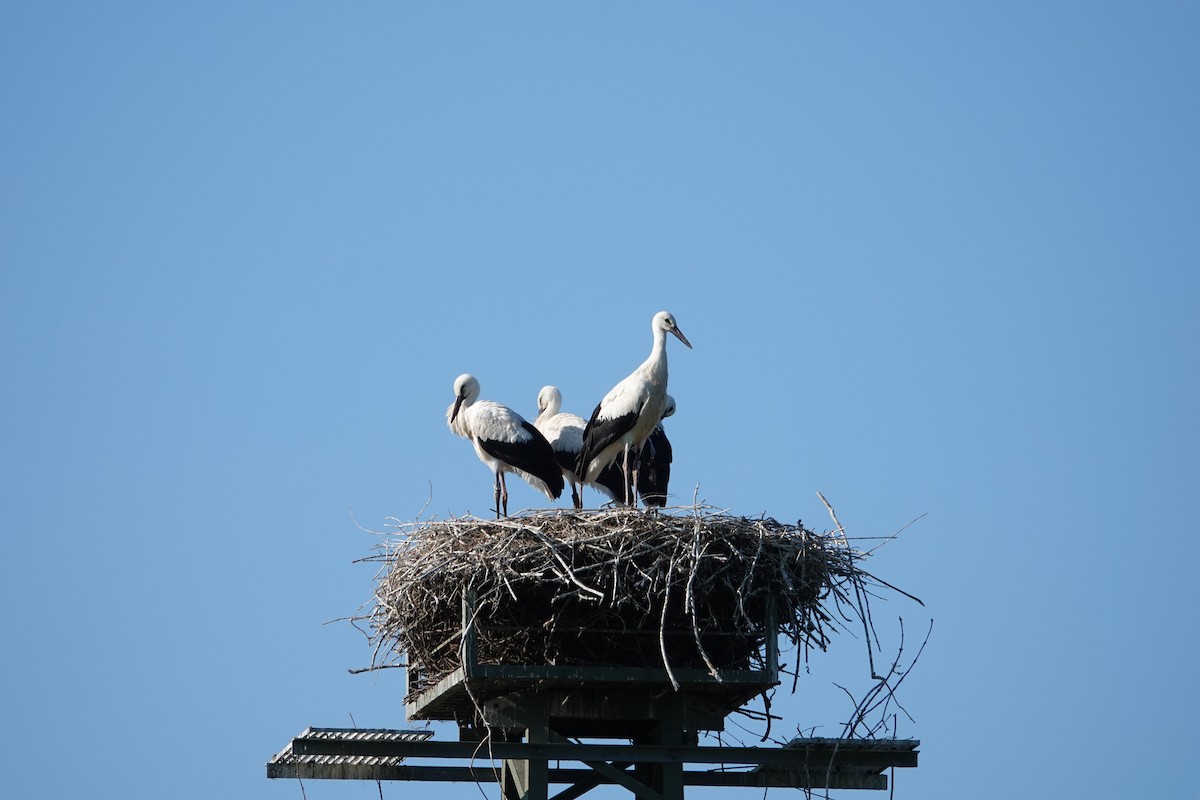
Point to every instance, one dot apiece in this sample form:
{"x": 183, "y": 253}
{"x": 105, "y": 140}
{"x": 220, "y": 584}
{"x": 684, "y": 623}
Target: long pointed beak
{"x": 682, "y": 338}
{"x": 457, "y": 405}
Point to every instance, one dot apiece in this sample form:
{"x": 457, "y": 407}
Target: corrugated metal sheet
{"x": 287, "y": 764}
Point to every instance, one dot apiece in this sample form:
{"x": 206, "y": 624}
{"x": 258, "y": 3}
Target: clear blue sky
{"x": 935, "y": 258}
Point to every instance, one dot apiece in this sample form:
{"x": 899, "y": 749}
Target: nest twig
{"x": 616, "y": 587}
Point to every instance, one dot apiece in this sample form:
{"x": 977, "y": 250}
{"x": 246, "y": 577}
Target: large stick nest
{"x": 609, "y": 588}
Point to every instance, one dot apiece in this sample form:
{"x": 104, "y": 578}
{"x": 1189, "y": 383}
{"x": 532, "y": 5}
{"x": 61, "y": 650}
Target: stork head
{"x": 668, "y": 407}
{"x": 466, "y": 391}
{"x": 665, "y": 321}
{"x": 549, "y": 401}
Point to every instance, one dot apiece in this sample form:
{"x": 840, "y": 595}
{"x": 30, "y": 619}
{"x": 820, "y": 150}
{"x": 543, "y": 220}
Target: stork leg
{"x": 576, "y": 500}
{"x": 628, "y": 481}
{"x": 497, "y": 493}
{"x": 503, "y": 494}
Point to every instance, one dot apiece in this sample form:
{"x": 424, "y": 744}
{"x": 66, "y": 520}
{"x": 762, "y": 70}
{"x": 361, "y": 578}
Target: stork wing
{"x": 532, "y": 456}
{"x": 600, "y": 433}
{"x": 611, "y": 482}
{"x": 654, "y": 468}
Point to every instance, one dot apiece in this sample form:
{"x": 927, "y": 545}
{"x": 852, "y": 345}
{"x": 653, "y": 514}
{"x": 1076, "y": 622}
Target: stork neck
{"x": 659, "y": 348}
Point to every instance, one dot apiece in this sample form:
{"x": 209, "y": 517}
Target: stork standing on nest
{"x": 504, "y": 441}
{"x": 564, "y": 431}
{"x": 654, "y": 463}
{"x": 628, "y": 413}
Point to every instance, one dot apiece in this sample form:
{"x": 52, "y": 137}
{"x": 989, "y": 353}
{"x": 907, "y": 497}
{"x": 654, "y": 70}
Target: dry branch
{"x": 615, "y": 587}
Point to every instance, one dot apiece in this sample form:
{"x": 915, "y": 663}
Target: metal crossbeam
{"x": 377, "y": 754}
{"x": 816, "y": 754}
{"x": 583, "y": 779}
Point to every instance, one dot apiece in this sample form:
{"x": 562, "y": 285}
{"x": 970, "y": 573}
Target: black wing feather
{"x": 612, "y": 478}
{"x": 566, "y": 460}
{"x": 600, "y": 433}
{"x": 654, "y": 468}
{"x": 535, "y": 457}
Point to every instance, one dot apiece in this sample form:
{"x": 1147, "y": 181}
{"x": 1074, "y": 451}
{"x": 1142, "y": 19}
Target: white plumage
{"x": 564, "y": 432}
{"x": 504, "y": 441}
{"x": 628, "y": 413}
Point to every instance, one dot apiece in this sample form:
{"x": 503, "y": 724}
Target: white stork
{"x": 504, "y": 441}
{"x": 628, "y": 413}
{"x": 654, "y": 463}
{"x": 564, "y": 431}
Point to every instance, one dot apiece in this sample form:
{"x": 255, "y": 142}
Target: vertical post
{"x": 665, "y": 781}
{"x": 538, "y": 732}
{"x": 513, "y": 778}
{"x": 529, "y": 779}
{"x": 470, "y": 644}
{"x": 771, "y": 623}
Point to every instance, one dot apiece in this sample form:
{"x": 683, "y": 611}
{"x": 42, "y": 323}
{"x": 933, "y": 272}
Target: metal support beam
{"x": 813, "y": 754}
{"x": 580, "y": 781}
{"x": 806, "y": 763}
{"x": 587, "y": 780}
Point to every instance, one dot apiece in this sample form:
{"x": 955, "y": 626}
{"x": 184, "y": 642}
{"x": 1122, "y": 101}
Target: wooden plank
{"x": 760, "y": 680}
{"x": 427, "y": 701}
{"x": 586, "y": 711}
{"x": 449, "y": 698}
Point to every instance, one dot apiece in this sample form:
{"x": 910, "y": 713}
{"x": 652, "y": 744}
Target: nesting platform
{"x": 542, "y": 636}
{"x": 607, "y": 588}
{"x": 590, "y": 700}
